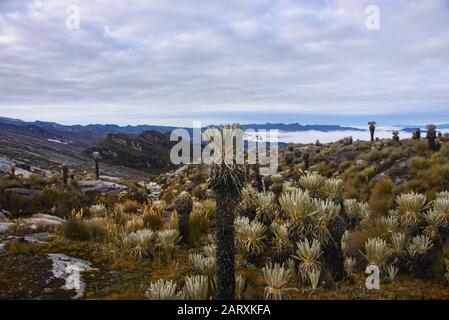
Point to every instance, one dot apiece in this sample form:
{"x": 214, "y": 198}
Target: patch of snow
{"x": 70, "y": 269}
{"x": 57, "y": 141}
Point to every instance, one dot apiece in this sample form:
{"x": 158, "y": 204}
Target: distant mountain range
{"x": 409, "y": 128}
{"x": 102, "y": 130}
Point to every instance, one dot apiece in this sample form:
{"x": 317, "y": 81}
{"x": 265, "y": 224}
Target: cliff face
{"x": 149, "y": 151}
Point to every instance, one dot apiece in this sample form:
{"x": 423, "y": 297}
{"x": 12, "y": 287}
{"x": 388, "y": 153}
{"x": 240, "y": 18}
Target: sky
{"x": 173, "y": 62}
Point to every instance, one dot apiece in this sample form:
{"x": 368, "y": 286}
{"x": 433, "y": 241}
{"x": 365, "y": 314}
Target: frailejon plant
{"x": 72, "y": 175}
{"x": 410, "y": 207}
{"x": 312, "y": 182}
{"x": 197, "y": 287}
{"x": 392, "y": 272}
{"x": 446, "y": 275}
{"x": 13, "y": 170}
{"x": 420, "y": 245}
{"x": 333, "y": 188}
{"x": 349, "y": 266}
{"x": 251, "y": 238}
{"x": 266, "y": 207}
{"x": 139, "y": 243}
{"x": 65, "y": 174}
{"x": 433, "y": 224}
{"x": 167, "y": 240}
{"x": 98, "y": 210}
{"x": 276, "y": 187}
{"x": 389, "y": 225}
{"x": 432, "y": 137}
{"x": 421, "y": 255}
{"x": 314, "y": 278}
{"x": 226, "y": 179}
{"x": 308, "y": 253}
{"x": 442, "y": 195}
{"x": 202, "y": 264}
{"x": 163, "y": 290}
{"x": 326, "y": 212}
{"x": 299, "y": 207}
{"x": 282, "y": 246}
{"x": 199, "y": 223}
{"x": 355, "y": 212}
{"x": 395, "y": 137}
{"x": 399, "y": 242}
{"x": 372, "y": 129}
{"x": 277, "y": 278}
{"x": 441, "y": 208}
{"x": 184, "y": 205}
{"x": 97, "y": 157}
{"x": 417, "y": 134}
{"x": 210, "y": 250}
{"x": 377, "y": 252}
{"x": 248, "y": 205}
{"x": 240, "y": 283}
{"x": 345, "y": 242}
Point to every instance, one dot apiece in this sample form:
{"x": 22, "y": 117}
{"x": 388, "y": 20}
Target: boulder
{"x": 27, "y": 194}
{"x": 100, "y": 186}
{"x": 3, "y": 217}
{"x": 4, "y": 226}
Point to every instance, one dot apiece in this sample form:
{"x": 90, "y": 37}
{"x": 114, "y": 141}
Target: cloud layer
{"x": 167, "y": 61}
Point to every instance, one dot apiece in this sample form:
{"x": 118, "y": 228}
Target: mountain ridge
{"x": 104, "y": 129}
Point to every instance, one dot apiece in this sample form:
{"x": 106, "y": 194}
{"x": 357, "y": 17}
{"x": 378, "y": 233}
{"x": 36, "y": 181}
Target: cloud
{"x": 169, "y": 61}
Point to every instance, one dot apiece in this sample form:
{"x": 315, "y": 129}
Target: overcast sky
{"x": 171, "y": 62}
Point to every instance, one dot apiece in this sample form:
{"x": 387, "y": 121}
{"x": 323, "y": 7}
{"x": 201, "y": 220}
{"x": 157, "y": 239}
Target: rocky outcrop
{"x": 26, "y": 194}
{"x": 100, "y": 186}
{"x": 398, "y": 172}
{"x": 41, "y": 220}
{"x": 36, "y": 221}
{"x": 149, "y": 151}
{"x": 5, "y": 226}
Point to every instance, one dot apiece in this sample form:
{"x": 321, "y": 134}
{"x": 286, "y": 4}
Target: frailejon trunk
{"x": 183, "y": 225}
{"x": 225, "y": 249}
{"x": 372, "y": 130}
{"x": 97, "y": 169}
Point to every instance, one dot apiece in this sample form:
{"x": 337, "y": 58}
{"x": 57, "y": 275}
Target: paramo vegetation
{"x": 307, "y": 232}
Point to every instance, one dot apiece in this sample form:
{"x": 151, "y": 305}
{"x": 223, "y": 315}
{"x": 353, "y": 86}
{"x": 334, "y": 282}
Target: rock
{"x": 397, "y": 172}
{"x": 3, "y": 218}
{"x": 70, "y": 270}
{"x": 41, "y": 220}
{"x": 153, "y": 189}
{"x": 27, "y": 194}
{"x": 23, "y": 169}
{"x": 39, "y": 237}
{"x": 100, "y": 186}
{"x": 4, "y": 226}
{"x": 110, "y": 179}
{"x": 6, "y": 213}
{"x": 30, "y": 238}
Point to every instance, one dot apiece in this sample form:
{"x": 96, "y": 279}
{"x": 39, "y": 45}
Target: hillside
{"x": 350, "y": 197}
{"x": 149, "y": 151}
